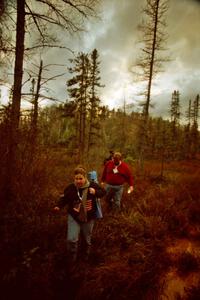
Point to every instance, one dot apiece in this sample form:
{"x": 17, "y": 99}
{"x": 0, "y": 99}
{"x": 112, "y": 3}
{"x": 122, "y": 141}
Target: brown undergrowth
{"x": 131, "y": 255}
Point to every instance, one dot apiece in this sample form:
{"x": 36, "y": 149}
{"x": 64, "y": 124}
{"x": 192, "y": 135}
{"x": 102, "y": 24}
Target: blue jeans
{"x": 116, "y": 192}
{"x": 73, "y": 232}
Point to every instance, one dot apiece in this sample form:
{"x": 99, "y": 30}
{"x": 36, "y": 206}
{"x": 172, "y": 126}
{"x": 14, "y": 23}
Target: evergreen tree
{"x": 194, "y": 133}
{"x": 175, "y": 112}
{"x": 83, "y": 90}
{"x": 78, "y": 89}
{"x": 94, "y": 102}
{"x": 175, "y": 122}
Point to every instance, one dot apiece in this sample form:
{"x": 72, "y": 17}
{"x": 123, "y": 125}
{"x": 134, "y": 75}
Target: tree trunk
{"x": 16, "y": 100}
{"x": 155, "y": 28}
{"x": 34, "y": 128}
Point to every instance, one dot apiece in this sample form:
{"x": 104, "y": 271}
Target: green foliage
{"x": 117, "y": 130}
{"x": 83, "y": 92}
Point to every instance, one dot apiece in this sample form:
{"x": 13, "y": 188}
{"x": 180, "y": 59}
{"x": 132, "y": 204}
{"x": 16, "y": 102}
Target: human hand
{"x": 56, "y": 208}
{"x": 92, "y": 191}
{"x": 130, "y": 190}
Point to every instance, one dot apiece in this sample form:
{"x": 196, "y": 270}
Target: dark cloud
{"x": 182, "y": 73}
{"x": 115, "y": 36}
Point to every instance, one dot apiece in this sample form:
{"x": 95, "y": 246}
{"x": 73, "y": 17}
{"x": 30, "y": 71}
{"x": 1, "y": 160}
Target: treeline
{"x": 88, "y": 130}
{"x": 82, "y": 123}
{"x": 88, "y": 127}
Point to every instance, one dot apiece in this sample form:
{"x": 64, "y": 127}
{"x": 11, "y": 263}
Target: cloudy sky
{"x": 117, "y": 42}
{"x": 116, "y": 36}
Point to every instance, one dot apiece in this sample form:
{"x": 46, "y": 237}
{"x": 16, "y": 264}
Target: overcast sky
{"x": 116, "y": 37}
{"x": 117, "y": 43}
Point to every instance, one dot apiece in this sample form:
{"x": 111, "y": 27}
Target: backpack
{"x": 92, "y": 176}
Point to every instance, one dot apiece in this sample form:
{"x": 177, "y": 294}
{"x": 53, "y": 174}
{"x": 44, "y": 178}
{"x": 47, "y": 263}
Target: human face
{"x": 116, "y": 160}
{"x": 79, "y": 180}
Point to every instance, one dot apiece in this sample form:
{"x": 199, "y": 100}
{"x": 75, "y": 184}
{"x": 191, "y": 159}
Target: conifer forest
{"x": 150, "y": 249}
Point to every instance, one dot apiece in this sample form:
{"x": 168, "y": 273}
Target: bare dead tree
{"x": 150, "y": 61}
{"x": 153, "y": 29}
{"x": 67, "y": 15}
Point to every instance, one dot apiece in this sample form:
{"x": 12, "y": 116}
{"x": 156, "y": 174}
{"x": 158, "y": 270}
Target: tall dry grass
{"x": 129, "y": 249}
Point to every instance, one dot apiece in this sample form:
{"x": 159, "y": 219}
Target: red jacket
{"x": 118, "y": 177}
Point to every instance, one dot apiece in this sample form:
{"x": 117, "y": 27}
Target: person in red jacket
{"x": 115, "y": 174}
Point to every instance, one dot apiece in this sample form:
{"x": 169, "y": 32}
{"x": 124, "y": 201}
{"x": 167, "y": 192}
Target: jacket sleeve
{"x": 64, "y": 199}
{"x": 100, "y": 192}
{"x": 129, "y": 176}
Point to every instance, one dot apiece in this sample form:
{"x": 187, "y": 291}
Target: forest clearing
{"x": 150, "y": 250}
{"x": 56, "y": 113}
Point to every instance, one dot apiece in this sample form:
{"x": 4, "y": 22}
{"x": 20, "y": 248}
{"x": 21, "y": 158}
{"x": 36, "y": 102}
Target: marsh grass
{"x": 129, "y": 248}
